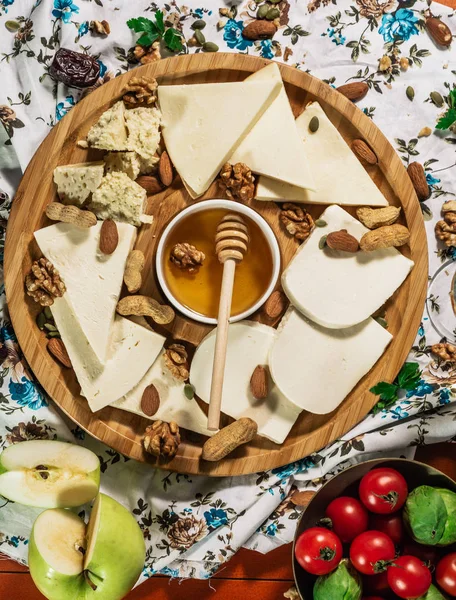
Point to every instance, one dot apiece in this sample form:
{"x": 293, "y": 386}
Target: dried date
{"x": 74, "y": 69}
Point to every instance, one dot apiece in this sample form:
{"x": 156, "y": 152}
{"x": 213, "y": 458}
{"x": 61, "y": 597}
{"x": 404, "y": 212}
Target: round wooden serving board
{"x": 122, "y": 430}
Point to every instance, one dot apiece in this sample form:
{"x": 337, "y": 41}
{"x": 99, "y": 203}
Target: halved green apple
{"x": 49, "y": 474}
{"x": 103, "y": 560}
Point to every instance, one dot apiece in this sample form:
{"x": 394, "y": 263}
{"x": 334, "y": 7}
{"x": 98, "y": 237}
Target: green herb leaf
{"x": 142, "y": 24}
{"x": 452, "y": 98}
{"x": 147, "y": 39}
{"x": 159, "y": 21}
{"x": 409, "y": 376}
{"x": 447, "y": 120}
{"x": 173, "y": 39}
{"x": 386, "y": 391}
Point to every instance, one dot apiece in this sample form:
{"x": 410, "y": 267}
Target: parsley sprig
{"x": 408, "y": 378}
{"x": 156, "y": 30}
{"x": 450, "y": 116}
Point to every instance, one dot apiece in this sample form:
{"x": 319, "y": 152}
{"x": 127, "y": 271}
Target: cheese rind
{"x": 143, "y": 126}
{"x": 249, "y": 344}
{"x": 316, "y": 368}
{"x": 174, "y": 404}
{"x": 340, "y": 289}
{"x": 195, "y": 139}
{"x": 339, "y": 177}
{"x": 93, "y": 280}
{"x": 76, "y": 182}
{"x": 119, "y": 198}
{"x": 273, "y": 146}
{"x": 109, "y": 132}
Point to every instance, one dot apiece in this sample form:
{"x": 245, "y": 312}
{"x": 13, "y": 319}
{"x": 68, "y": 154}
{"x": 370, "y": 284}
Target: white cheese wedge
{"x": 203, "y": 124}
{"x": 274, "y": 147}
{"x": 338, "y": 175}
{"x": 339, "y": 289}
{"x": 316, "y": 367}
{"x": 93, "y": 280}
{"x": 75, "y": 183}
{"x": 249, "y": 344}
{"x": 109, "y": 132}
{"x": 143, "y": 126}
{"x": 125, "y": 162}
{"x": 132, "y": 350}
{"x": 121, "y": 199}
{"x": 174, "y": 404}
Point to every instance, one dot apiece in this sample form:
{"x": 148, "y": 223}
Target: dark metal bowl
{"x": 346, "y": 484}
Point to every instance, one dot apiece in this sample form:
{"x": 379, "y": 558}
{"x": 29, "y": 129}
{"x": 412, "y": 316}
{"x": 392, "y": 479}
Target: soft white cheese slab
{"x": 340, "y": 289}
{"x": 174, "y": 404}
{"x": 339, "y": 177}
{"x": 203, "y": 124}
{"x": 132, "y": 350}
{"x": 249, "y": 344}
{"x": 274, "y": 147}
{"x": 316, "y": 368}
{"x": 93, "y": 280}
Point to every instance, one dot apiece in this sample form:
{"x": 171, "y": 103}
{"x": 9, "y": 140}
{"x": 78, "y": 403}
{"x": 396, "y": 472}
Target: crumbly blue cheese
{"x": 143, "y": 126}
{"x": 119, "y": 198}
{"x": 125, "y": 162}
{"x": 148, "y": 165}
{"x": 75, "y": 183}
{"x": 109, "y": 132}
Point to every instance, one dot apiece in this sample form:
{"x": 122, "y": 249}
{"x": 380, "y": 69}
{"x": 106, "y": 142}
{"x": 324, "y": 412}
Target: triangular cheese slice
{"x": 93, "y": 280}
{"x": 338, "y": 175}
{"x": 273, "y": 147}
{"x": 204, "y": 123}
{"x": 132, "y": 350}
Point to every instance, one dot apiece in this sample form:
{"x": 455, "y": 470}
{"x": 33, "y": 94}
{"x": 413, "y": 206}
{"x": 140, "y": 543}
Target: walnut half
{"x": 237, "y": 181}
{"x": 296, "y": 220}
{"x": 445, "y": 351}
{"x": 43, "y": 283}
{"x": 176, "y": 361}
{"x": 162, "y": 439}
{"x": 140, "y": 91}
{"x": 187, "y": 257}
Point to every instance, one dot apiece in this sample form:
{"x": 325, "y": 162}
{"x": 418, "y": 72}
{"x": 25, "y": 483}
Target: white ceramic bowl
{"x": 234, "y": 207}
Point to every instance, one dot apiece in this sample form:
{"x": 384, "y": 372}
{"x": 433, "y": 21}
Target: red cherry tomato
{"x": 390, "y": 524}
{"x": 445, "y": 574}
{"x": 371, "y": 552}
{"x": 318, "y": 550}
{"x": 349, "y": 517}
{"x": 409, "y": 578}
{"x": 383, "y": 491}
{"x": 376, "y": 584}
{"x": 428, "y": 554}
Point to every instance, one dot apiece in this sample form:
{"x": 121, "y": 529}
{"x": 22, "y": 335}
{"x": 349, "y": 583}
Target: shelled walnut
{"x": 237, "y": 181}
{"x": 145, "y": 55}
{"x": 140, "y": 91}
{"x": 43, "y": 283}
{"x": 297, "y": 221}
{"x": 187, "y": 257}
{"x": 162, "y": 439}
{"x": 176, "y": 360}
{"x": 100, "y": 27}
{"x": 445, "y": 229}
{"x": 445, "y": 351}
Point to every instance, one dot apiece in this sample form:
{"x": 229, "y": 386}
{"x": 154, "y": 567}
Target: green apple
{"x": 101, "y": 561}
{"x": 49, "y": 474}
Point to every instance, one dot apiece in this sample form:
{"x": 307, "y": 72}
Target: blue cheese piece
{"x": 93, "y": 280}
{"x": 121, "y": 199}
{"x": 125, "y": 162}
{"x": 143, "y": 126}
{"x": 315, "y": 367}
{"x": 148, "y": 165}
{"x": 75, "y": 183}
{"x": 109, "y": 132}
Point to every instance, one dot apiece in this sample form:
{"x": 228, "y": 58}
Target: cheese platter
{"x": 97, "y": 205}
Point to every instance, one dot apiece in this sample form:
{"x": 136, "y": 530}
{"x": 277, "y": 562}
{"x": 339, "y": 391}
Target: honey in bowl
{"x": 200, "y": 292}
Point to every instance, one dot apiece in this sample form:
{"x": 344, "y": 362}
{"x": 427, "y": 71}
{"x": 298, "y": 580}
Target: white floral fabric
{"x": 192, "y": 525}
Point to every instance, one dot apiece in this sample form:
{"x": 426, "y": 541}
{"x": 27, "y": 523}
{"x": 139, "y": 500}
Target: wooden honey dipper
{"x": 231, "y": 243}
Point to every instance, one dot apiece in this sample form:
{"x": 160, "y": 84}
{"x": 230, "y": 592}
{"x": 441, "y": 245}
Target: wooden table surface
{"x": 247, "y": 574}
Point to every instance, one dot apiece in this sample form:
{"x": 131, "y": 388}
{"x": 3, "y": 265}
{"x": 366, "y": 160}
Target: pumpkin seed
{"x": 314, "y": 124}
{"x": 210, "y": 47}
{"x": 274, "y": 1}
{"x": 410, "y": 93}
{"x": 12, "y": 26}
{"x": 200, "y": 38}
{"x": 52, "y": 334}
{"x": 262, "y": 11}
{"x": 50, "y": 327}
{"x": 437, "y": 99}
{"x": 320, "y": 223}
{"x": 41, "y": 320}
{"x": 383, "y": 322}
{"x": 322, "y": 242}
{"x": 273, "y": 13}
{"x": 199, "y": 24}
{"x": 48, "y": 313}
{"x": 189, "y": 391}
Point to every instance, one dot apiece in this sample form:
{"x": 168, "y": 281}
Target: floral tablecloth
{"x": 192, "y": 525}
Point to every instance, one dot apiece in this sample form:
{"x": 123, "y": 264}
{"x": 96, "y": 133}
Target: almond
{"x": 165, "y": 169}
{"x": 364, "y": 152}
{"x": 57, "y": 348}
{"x": 150, "y": 184}
{"x": 385, "y": 237}
{"x": 259, "y": 30}
{"x": 275, "y": 305}
{"x": 439, "y": 31}
{"x": 302, "y": 498}
{"x": 418, "y": 178}
{"x": 109, "y": 236}
{"x": 354, "y": 91}
{"x": 259, "y": 383}
{"x": 150, "y": 401}
{"x": 342, "y": 240}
